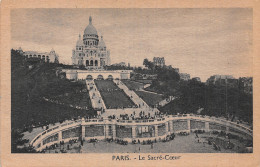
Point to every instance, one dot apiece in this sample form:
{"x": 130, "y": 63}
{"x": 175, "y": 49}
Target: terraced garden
{"x": 105, "y": 85}
{"x": 150, "y": 98}
{"x": 132, "y": 85}
{"x": 80, "y": 99}
{"x": 113, "y": 96}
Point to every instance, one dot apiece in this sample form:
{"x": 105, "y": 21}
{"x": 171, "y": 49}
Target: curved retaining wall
{"x": 135, "y": 129}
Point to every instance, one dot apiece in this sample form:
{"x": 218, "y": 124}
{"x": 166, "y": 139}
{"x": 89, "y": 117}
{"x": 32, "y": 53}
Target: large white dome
{"x": 90, "y": 29}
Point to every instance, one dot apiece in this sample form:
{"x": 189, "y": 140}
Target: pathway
{"x": 95, "y": 97}
{"x": 142, "y": 105}
{"x": 134, "y": 97}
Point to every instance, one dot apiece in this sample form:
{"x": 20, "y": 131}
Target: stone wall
{"x": 135, "y": 129}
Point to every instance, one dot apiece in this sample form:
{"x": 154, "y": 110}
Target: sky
{"x": 201, "y": 42}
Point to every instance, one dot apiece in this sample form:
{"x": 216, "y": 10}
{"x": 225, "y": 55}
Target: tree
{"x": 17, "y": 140}
{"x": 148, "y": 64}
{"x": 145, "y": 63}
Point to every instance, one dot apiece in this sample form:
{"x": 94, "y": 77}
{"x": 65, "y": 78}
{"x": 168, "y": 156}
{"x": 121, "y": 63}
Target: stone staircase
{"x": 95, "y": 96}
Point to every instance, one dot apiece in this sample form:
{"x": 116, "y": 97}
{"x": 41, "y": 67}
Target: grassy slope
{"x": 150, "y": 98}
{"x": 28, "y": 88}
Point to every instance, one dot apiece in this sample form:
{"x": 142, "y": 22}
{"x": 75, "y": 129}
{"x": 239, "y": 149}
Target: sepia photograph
{"x": 131, "y": 80}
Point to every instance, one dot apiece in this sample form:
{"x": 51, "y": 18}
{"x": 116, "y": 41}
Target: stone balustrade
{"x": 135, "y": 129}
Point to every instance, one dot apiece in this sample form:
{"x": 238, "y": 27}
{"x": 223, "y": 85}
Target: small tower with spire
{"x": 79, "y": 44}
{"x": 90, "y": 20}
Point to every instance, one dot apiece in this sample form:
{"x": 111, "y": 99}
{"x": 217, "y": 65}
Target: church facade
{"x": 91, "y": 51}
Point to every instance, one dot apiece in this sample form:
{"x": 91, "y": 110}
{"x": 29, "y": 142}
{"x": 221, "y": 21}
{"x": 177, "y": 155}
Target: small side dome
{"x": 79, "y": 42}
{"x": 52, "y": 51}
{"x": 101, "y": 43}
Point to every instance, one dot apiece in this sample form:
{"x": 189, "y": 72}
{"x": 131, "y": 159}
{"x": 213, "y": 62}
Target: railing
{"x": 54, "y": 128}
{"x": 155, "y": 121}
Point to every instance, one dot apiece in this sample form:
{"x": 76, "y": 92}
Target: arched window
{"x": 34, "y": 55}
{"x": 39, "y": 56}
{"x": 100, "y": 77}
{"x": 91, "y": 62}
{"x": 110, "y": 77}
{"x": 87, "y": 62}
{"x": 96, "y": 63}
{"x": 89, "y": 77}
{"x": 80, "y": 62}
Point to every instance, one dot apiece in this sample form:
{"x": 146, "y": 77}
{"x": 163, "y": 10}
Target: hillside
{"x": 231, "y": 102}
{"x": 31, "y": 82}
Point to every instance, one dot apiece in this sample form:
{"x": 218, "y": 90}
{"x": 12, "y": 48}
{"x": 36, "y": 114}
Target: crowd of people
{"x": 217, "y": 142}
{"x": 62, "y": 147}
{"x": 142, "y": 115}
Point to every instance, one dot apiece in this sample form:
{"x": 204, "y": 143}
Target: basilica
{"x": 91, "y": 51}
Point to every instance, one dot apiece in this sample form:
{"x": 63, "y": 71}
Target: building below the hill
{"x": 184, "y": 76}
{"x": 222, "y": 80}
{"x": 76, "y": 74}
{"x": 159, "y": 61}
{"x": 51, "y": 57}
{"x": 246, "y": 83}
